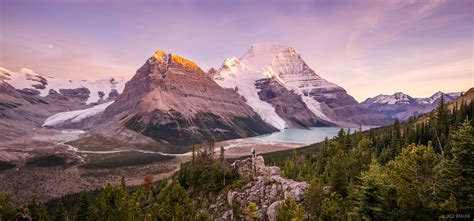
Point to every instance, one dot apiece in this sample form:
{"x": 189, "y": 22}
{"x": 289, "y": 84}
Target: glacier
{"x": 76, "y": 116}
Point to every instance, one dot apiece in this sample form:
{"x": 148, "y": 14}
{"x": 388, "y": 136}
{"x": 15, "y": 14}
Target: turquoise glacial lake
{"x": 301, "y": 136}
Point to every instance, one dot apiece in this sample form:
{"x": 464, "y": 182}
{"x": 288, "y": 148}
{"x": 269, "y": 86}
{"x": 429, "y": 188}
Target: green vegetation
{"x": 415, "y": 170}
{"x": 289, "y": 210}
{"x": 123, "y": 159}
{"x": 101, "y": 143}
{"x": 164, "y": 200}
{"x": 204, "y": 174}
{"x": 4, "y": 165}
{"x": 47, "y": 161}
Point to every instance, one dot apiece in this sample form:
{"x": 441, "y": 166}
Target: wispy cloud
{"x": 350, "y": 43}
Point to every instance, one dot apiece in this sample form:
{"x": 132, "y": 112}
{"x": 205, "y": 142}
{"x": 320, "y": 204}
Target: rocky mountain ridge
{"x": 403, "y": 106}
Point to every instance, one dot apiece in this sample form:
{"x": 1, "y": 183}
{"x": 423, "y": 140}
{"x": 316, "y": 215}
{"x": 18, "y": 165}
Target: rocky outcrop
{"x": 80, "y": 93}
{"x": 266, "y": 188}
{"x": 113, "y": 93}
{"x": 171, "y": 100}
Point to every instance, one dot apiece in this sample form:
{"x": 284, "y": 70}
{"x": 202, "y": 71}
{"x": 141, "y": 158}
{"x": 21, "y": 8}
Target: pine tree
{"x": 289, "y": 210}
{"x": 193, "y": 155}
{"x": 84, "y": 212}
{"x": 314, "y": 197}
{"x": 397, "y": 129}
{"x": 173, "y": 203}
{"x": 462, "y": 143}
{"x": 59, "y": 213}
{"x": 37, "y": 210}
{"x": 333, "y": 208}
{"x": 412, "y": 174}
{"x": 443, "y": 122}
{"x": 371, "y": 197}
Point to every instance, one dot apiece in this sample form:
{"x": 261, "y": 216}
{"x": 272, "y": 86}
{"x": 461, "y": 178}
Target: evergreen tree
{"x": 412, "y": 174}
{"x": 8, "y": 211}
{"x": 372, "y": 196}
{"x": 59, "y": 213}
{"x": 84, "y": 212}
{"x": 462, "y": 166}
{"x": 289, "y": 210}
{"x": 38, "y": 210}
{"x": 173, "y": 203}
{"x": 333, "y": 208}
{"x": 314, "y": 197}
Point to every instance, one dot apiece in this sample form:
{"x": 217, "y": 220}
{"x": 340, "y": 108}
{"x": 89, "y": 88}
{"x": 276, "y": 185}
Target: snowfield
{"x": 75, "y": 116}
{"x": 26, "y": 78}
{"x": 235, "y": 77}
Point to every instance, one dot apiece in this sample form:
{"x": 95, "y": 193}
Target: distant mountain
{"x": 403, "y": 106}
{"x": 277, "y": 83}
{"x": 173, "y": 101}
{"x": 29, "y": 81}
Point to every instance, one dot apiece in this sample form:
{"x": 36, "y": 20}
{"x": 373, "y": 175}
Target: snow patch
{"x": 75, "y": 116}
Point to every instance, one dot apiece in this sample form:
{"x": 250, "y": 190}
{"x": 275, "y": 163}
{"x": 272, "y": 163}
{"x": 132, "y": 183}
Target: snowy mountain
{"x": 44, "y": 85}
{"x": 327, "y": 103}
{"x": 433, "y": 99}
{"x": 403, "y": 106}
{"x": 401, "y": 98}
{"x": 396, "y": 98}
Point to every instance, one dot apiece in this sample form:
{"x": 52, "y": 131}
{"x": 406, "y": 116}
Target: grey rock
{"x": 271, "y": 211}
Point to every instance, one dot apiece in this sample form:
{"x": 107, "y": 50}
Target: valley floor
{"x": 46, "y": 164}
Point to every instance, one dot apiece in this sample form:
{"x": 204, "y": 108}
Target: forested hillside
{"x": 420, "y": 169}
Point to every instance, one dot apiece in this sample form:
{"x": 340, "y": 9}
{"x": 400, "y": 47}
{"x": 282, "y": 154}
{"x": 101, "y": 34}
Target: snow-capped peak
{"x": 263, "y": 54}
{"x": 436, "y": 95}
{"x": 396, "y": 98}
{"x": 230, "y": 66}
{"x": 402, "y": 98}
{"x": 28, "y": 79}
{"x": 282, "y": 63}
{"x": 433, "y": 98}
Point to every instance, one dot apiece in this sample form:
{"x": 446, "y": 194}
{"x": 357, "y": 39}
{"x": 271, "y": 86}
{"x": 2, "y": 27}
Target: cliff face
{"x": 171, "y": 99}
{"x": 288, "y": 105}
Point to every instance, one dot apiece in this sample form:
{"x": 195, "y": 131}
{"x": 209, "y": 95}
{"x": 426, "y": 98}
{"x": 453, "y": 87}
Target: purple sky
{"x": 368, "y": 47}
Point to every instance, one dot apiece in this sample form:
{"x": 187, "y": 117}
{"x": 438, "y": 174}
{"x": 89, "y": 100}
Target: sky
{"x": 369, "y": 47}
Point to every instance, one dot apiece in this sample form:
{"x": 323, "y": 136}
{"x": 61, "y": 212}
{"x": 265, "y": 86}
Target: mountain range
{"x": 172, "y": 101}
{"x": 403, "y": 106}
